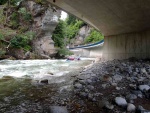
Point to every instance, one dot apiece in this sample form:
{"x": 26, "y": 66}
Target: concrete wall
{"x": 127, "y": 45}
{"x": 89, "y": 52}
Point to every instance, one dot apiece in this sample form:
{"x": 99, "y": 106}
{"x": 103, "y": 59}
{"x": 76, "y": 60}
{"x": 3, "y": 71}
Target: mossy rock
{"x": 11, "y": 58}
{"x": 6, "y": 78}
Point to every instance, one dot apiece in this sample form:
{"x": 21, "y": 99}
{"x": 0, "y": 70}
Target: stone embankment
{"x": 114, "y": 87}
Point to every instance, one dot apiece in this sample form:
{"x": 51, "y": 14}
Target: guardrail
{"x": 89, "y": 45}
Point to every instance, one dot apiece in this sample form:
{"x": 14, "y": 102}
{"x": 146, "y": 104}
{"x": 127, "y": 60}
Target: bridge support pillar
{"x": 127, "y": 45}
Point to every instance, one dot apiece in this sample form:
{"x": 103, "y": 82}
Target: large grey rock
{"x": 58, "y": 109}
{"x": 45, "y": 22}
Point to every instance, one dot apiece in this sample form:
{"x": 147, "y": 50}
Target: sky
{"x": 63, "y": 15}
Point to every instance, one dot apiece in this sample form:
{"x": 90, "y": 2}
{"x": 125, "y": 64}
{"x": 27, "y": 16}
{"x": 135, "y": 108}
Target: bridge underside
{"x": 124, "y": 23}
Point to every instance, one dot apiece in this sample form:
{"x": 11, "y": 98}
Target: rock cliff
{"x": 45, "y": 21}
{"x": 81, "y": 35}
{"x": 35, "y": 17}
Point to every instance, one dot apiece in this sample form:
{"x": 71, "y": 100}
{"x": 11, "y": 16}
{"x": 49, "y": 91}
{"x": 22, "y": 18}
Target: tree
{"x": 11, "y": 2}
{"x": 94, "y": 36}
{"x": 59, "y": 34}
{"x": 70, "y": 20}
{"x": 72, "y": 26}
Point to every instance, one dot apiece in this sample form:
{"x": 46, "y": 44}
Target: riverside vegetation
{"x": 17, "y": 31}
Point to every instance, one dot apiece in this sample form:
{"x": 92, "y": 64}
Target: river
{"x": 20, "y": 87}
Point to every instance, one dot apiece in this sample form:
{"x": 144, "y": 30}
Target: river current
{"x": 18, "y": 91}
{"x": 39, "y": 68}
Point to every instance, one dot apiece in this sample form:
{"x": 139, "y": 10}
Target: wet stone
{"x": 78, "y": 86}
{"x": 82, "y": 82}
{"x": 89, "y": 81}
{"x": 90, "y": 96}
{"x": 58, "y": 109}
{"x": 120, "y": 101}
{"x": 131, "y": 107}
{"x": 131, "y": 97}
{"x": 144, "y": 87}
{"x": 45, "y": 81}
{"x": 90, "y": 87}
{"x": 83, "y": 94}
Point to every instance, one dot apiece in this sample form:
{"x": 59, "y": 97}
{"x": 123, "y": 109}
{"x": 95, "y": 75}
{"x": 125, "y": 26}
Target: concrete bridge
{"x": 124, "y": 23}
{"x": 89, "y": 50}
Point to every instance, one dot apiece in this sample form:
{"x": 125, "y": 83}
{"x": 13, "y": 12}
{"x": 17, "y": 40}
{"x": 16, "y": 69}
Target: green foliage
{"x": 22, "y": 40}
{"x": 70, "y": 20}
{"x": 72, "y": 29}
{"x": 64, "y": 52}
{"x": 94, "y": 36}
{"x": 58, "y": 34}
{"x": 26, "y": 15}
{"x": 68, "y": 28}
{"x": 2, "y": 17}
{"x": 1, "y": 36}
{"x": 12, "y": 2}
{"x": 14, "y": 20}
{"x": 2, "y": 52}
{"x": 2, "y": 2}
{"x": 15, "y": 2}
{"x": 40, "y": 1}
{"x": 30, "y": 35}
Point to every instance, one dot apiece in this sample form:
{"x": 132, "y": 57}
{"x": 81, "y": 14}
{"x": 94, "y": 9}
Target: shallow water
{"x": 19, "y": 94}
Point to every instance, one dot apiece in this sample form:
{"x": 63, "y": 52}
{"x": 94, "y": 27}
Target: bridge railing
{"x": 88, "y": 45}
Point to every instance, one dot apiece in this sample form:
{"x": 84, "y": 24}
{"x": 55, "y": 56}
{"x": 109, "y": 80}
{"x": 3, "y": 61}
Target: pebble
{"x": 144, "y": 87}
{"x": 120, "y": 101}
{"x": 131, "y": 96}
{"x": 117, "y": 78}
{"x": 109, "y": 105}
{"x": 131, "y": 107}
{"x": 78, "y": 86}
{"x": 45, "y": 81}
{"x": 58, "y": 109}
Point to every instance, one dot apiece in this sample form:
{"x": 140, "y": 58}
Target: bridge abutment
{"x": 128, "y": 45}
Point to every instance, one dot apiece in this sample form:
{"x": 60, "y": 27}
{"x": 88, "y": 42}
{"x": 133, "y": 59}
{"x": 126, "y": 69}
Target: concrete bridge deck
{"x": 124, "y": 23}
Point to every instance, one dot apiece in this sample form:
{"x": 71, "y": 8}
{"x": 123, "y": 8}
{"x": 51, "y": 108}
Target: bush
{"x": 73, "y": 29}
{"x": 14, "y": 23}
{"x": 94, "y": 36}
{"x": 1, "y": 36}
{"x": 2, "y": 52}
{"x": 58, "y": 34}
{"x": 2, "y": 17}
{"x": 64, "y": 52}
{"x": 22, "y": 40}
{"x": 26, "y": 15}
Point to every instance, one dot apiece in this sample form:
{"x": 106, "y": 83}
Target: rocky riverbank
{"x": 114, "y": 87}
{"x": 118, "y": 86}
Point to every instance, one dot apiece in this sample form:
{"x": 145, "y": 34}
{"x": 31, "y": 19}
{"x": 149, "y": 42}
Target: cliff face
{"x": 45, "y": 21}
{"x": 81, "y": 36}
